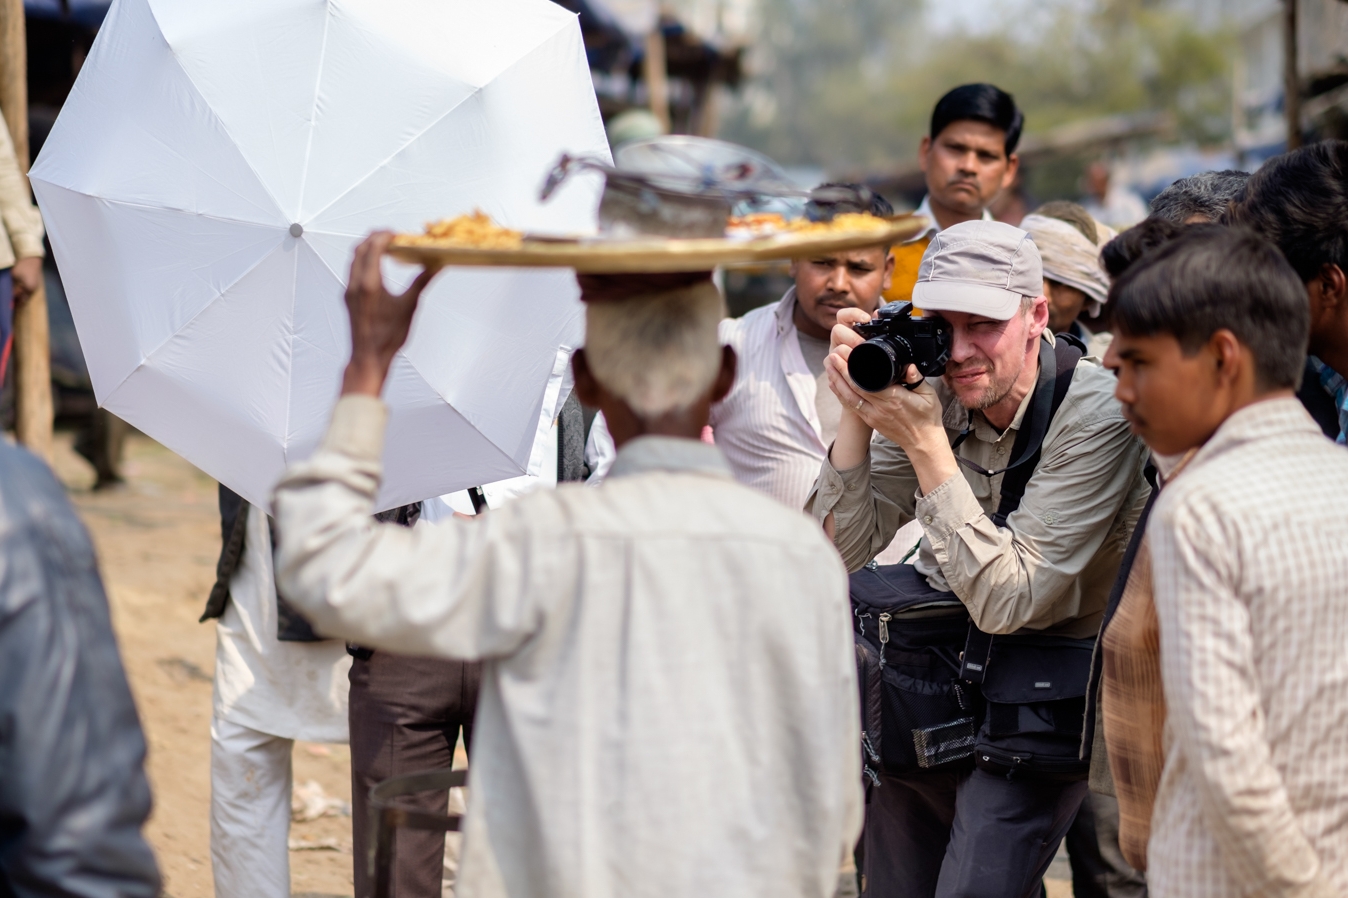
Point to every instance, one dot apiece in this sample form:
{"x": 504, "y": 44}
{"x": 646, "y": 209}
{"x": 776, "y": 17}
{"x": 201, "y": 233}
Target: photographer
{"x": 1044, "y": 567}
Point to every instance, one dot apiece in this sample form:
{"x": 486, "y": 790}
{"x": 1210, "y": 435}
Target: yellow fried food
{"x": 765, "y": 223}
{"x": 476, "y": 230}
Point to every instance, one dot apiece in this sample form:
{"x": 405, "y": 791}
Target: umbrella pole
{"x": 32, "y": 349}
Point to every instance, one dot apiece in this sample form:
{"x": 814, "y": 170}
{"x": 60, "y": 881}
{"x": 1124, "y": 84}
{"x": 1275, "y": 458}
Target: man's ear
{"x": 923, "y": 149}
{"x": 1038, "y": 318}
{"x": 889, "y": 273}
{"x": 725, "y": 378}
{"x": 1333, "y": 288}
{"x": 1227, "y": 355}
{"x": 1012, "y": 166}
{"x": 587, "y": 388}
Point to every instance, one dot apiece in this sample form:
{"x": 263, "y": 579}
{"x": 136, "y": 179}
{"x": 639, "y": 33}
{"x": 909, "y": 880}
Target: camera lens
{"x": 878, "y": 363}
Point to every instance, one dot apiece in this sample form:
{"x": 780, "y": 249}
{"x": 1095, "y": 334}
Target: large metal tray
{"x": 598, "y": 255}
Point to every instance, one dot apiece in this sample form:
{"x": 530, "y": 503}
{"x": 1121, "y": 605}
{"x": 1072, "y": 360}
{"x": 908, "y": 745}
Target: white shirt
{"x": 1249, "y": 547}
{"x": 295, "y": 690}
{"x": 669, "y": 703}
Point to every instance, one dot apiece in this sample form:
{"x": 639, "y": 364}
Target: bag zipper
{"x": 884, "y": 635}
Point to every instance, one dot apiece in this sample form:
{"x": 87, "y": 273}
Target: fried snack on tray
{"x": 477, "y": 231}
{"x": 766, "y": 224}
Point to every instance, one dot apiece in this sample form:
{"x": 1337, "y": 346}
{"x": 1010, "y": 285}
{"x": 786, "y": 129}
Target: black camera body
{"x": 895, "y": 340}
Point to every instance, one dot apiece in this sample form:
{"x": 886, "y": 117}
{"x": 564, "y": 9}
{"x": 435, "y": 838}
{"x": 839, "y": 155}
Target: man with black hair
{"x": 1248, "y": 569}
{"x": 1199, "y": 199}
{"x": 780, "y": 417}
{"x": 1299, "y": 201}
{"x": 968, "y": 158}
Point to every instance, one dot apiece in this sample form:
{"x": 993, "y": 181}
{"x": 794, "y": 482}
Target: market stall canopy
{"x": 216, "y": 163}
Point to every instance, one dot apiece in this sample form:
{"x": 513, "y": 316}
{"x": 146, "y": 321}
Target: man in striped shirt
{"x": 1250, "y": 573}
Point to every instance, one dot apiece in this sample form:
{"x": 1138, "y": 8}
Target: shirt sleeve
{"x": 459, "y": 588}
{"x": 1215, "y": 717}
{"x": 1016, "y": 576}
{"x": 21, "y": 219}
{"x": 869, "y": 502}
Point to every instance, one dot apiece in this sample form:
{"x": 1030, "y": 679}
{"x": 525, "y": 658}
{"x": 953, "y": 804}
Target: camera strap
{"x": 1057, "y": 364}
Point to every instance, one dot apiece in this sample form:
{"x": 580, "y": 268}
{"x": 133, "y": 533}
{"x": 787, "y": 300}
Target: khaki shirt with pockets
{"x": 1051, "y": 567}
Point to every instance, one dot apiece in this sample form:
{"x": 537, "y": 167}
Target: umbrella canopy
{"x": 216, "y": 163}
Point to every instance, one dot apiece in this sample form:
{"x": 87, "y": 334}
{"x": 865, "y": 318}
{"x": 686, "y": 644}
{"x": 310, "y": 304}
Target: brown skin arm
{"x": 379, "y": 320}
{"x": 624, "y": 424}
{"x": 27, "y": 275}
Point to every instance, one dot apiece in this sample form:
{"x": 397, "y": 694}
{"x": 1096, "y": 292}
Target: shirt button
{"x": 926, "y": 519}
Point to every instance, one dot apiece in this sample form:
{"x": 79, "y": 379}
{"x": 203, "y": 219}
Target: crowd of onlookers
{"x": 1096, "y": 593}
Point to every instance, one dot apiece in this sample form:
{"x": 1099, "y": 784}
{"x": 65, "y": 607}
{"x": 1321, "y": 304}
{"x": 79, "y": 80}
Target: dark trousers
{"x": 405, "y": 716}
{"x": 1098, "y": 867}
{"x": 963, "y": 834}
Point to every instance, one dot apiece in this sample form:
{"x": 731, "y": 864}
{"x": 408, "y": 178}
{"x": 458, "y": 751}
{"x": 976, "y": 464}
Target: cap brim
{"x": 975, "y": 299}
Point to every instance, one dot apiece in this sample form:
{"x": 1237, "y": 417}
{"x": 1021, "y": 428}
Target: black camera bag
{"x": 921, "y": 662}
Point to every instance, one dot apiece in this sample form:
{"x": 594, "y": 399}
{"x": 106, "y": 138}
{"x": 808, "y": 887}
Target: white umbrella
{"x": 215, "y": 164}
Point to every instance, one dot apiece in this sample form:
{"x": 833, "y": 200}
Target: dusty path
{"x": 158, "y": 537}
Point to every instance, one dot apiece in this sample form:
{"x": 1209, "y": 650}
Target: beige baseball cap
{"x": 979, "y": 267}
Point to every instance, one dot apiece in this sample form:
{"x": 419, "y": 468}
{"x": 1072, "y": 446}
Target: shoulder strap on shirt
{"x": 1065, "y": 354}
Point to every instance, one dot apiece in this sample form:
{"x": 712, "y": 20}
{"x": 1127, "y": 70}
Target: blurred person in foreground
{"x": 968, "y": 158}
{"x": 941, "y": 453}
{"x": 73, "y": 792}
{"x": 21, "y": 249}
{"x": 1249, "y": 573}
{"x": 1199, "y": 199}
{"x": 1107, "y": 201}
{"x": 669, "y": 702}
{"x": 1299, "y": 201}
{"x": 1076, "y": 285}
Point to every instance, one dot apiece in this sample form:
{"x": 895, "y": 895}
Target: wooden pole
{"x": 657, "y": 76}
{"x": 1291, "y": 77}
{"x": 31, "y": 365}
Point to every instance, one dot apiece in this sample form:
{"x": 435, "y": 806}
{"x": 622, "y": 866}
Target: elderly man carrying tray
{"x": 1020, "y": 467}
{"x": 668, "y": 700}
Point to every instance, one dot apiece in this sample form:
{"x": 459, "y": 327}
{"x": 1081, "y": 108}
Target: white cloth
{"x": 768, "y": 426}
{"x": 250, "y": 812}
{"x": 296, "y": 690}
{"x": 669, "y": 702}
{"x": 1249, "y": 547}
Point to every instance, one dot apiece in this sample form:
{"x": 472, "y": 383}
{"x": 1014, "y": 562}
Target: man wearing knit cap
{"x": 1020, "y": 467}
{"x": 669, "y": 701}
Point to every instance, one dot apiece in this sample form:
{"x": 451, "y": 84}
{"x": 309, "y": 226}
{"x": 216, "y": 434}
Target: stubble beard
{"x": 999, "y": 388}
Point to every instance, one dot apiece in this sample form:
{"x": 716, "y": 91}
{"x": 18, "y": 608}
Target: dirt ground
{"x": 158, "y": 537}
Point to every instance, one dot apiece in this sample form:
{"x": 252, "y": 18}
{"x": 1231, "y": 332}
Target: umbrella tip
{"x": 296, "y": 229}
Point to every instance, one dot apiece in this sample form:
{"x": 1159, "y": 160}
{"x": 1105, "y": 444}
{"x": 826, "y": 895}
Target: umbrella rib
{"x": 438, "y": 119}
{"x": 290, "y": 351}
{"x": 199, "y": 312}
{"x": 313, "y": 115}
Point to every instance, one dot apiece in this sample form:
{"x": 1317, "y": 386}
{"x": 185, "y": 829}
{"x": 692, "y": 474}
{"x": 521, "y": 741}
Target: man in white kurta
{"x": 668, "y": 701}
{"x": 268, "y": 693}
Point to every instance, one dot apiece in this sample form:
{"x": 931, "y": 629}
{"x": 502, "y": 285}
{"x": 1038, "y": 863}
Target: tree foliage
{"x": 851, "y": 83}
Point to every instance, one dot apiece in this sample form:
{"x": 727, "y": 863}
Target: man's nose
{"x": 961, "y": 347}
{"x": 838, "y": 281}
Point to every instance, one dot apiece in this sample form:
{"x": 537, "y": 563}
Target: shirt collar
{"x": 675, "y": 454}
{"x": 1257, "y": 421}
{"x": 786, "y": 311}
{"x": 933, "y": 228}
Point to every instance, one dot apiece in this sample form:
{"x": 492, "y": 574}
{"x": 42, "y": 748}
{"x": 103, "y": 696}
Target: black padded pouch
{"x": 916, "y": 714}
{"x": 1035, "y": 692}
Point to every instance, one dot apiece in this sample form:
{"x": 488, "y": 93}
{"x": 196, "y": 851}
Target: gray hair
{"x": 1206, "y": 193}
{"x": 658, "y": 353}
